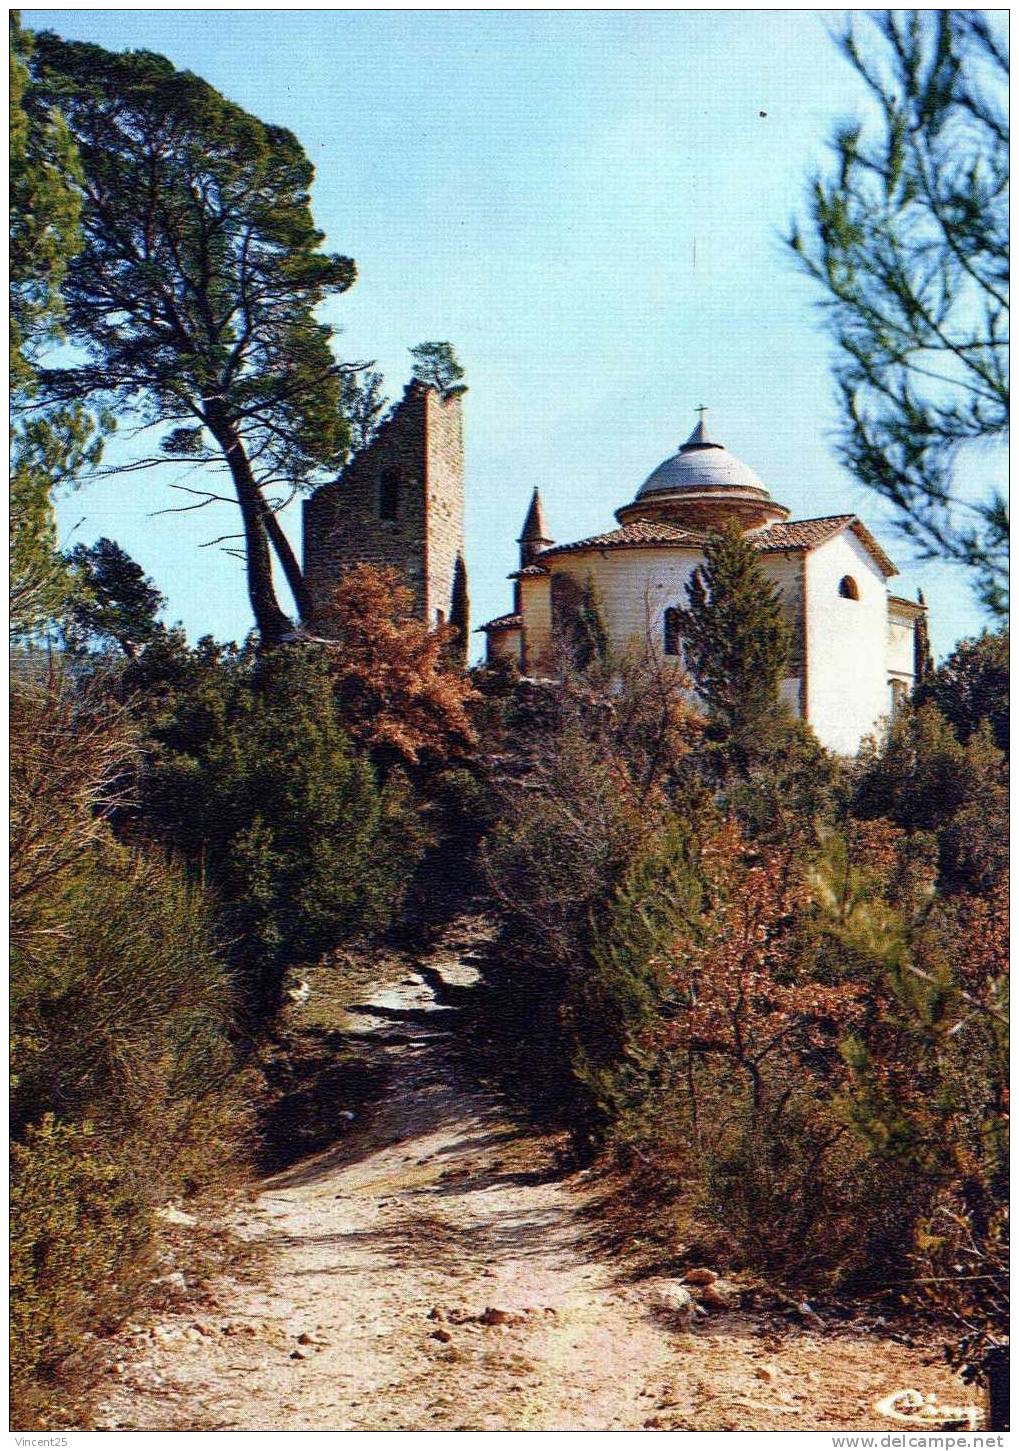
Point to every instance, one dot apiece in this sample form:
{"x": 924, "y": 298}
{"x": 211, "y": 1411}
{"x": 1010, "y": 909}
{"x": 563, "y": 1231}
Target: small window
{"x": 670, "y": 631}
{"x": 389, "y": 494}
{"x": 848, "y": 588}
{"x": 440, "y": 617}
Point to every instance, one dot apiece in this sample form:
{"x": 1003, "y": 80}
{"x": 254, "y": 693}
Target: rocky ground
{"x": 432, "y": 1270}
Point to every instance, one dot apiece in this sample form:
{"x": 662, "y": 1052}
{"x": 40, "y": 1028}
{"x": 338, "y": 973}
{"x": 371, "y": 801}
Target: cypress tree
{"x": 923, "y": 660}
{"x": 460, "y": 614}
{"x": 590, "y": 637}
{"x": 736, "y": 643}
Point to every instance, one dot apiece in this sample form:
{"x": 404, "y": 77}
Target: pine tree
{"x": 365, "y": 404}
{"x": 49, "y": 445}
{"x": 195, "y": 297}
{"x": 437, "y": 364}
{"x": 736, "y": 643}
{"x": 972, "y": 686}
{"x": 115, "y": 599}
{"x": 908, "y": 241}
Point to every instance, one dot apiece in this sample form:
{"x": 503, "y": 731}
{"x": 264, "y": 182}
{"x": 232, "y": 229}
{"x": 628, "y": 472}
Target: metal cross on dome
{"x": 700, "y": 410}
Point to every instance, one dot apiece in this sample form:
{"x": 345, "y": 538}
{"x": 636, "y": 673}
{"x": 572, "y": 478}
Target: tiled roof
{"x": 911, "y": 605}
{"x": 809, "y": 533}
{"x": 637, "y": 535}
{"x": 800, "y": 533}
{"x": 529, "y": 571}
{"x": 503, "y": 622}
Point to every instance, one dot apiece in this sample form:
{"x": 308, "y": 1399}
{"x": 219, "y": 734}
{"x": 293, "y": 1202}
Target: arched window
{"x": 389, "y": 494}
{"x": 670, "y": 631}
{"x": 848, "y": 588}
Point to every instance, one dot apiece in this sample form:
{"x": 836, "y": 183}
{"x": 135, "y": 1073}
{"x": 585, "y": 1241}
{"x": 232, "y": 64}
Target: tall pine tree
{"x": 195, "y": 297}
{"x": 908, "y": 241}
{"x": 49, "y": 445}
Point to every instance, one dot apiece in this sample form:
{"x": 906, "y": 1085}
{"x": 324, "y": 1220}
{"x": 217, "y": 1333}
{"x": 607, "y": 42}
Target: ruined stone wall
{"x": 444, "y": 505}
{"x": 416, "y": 457}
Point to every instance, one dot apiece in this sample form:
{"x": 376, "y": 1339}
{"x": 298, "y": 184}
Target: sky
{"x": 590, "y": 206}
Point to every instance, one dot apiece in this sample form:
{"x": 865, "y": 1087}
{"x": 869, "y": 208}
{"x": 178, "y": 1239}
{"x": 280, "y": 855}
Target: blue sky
{"x": 589, "y": 205}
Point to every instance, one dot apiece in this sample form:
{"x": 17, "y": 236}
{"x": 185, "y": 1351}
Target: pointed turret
{"x": 535, "y": 536}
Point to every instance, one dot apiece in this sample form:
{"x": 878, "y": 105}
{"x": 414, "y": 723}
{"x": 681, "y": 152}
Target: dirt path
{"x": 438, "y": 1205}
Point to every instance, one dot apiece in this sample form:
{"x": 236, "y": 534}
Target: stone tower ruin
{"x": 399, "y": 502}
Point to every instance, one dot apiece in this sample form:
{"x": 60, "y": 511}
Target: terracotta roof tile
{"x": 800, "y": 533}
{"x": 637, "y": 535}
{"x": 809, "y": 533}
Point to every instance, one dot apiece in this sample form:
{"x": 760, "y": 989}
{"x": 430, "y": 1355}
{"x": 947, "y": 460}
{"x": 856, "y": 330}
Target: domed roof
{"x": 703, "y": 486}
{"x": 700, "y": 463}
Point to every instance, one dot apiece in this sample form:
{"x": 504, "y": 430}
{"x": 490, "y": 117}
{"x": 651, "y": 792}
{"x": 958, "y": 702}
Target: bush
{"x": 925, "y": 779}
{"x": 252, "y": 778}
{"x": 971, "y": 687}
{"x": 929, "y": 1097}
{"x": 125, "y": 1017}
{"x": 397, "y": 693}
{"x": 613, "y": 1007}
{"x": 81, "y": 1250}
{"x": 126, "y": 1089}
{"x": 711, "y": 1045}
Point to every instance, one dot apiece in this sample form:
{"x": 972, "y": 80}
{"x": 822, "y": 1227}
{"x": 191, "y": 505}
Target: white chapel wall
{"x": 637, "y": 587}
{"x": 848, "y": 696}
{"x": 786, "y": 571}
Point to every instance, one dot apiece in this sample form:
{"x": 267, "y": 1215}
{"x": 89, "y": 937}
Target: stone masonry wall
{"x": 421, "y": 444}
{"x": 444, "y": 507}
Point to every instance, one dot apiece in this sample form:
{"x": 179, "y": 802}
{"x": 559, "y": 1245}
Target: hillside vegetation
{"x": 759, "y": 990}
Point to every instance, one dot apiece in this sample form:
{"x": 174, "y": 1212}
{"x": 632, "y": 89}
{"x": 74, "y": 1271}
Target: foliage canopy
{"x": 194, "y": 296}
{"x": 908, "y": 240}
{"x": 49, "y": 445}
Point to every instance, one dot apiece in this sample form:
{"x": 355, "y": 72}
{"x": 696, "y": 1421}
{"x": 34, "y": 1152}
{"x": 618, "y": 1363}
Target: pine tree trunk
{"x": 272, "y": 624}
{"x": 288, "y": 559}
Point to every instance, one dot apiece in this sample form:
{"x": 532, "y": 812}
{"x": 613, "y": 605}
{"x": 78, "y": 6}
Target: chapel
{"x": 856, "y": 646}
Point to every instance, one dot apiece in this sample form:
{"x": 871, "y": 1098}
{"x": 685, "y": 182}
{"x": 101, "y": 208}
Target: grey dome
{"x": 700, "y": 463}
{"x": 703, "y": 486}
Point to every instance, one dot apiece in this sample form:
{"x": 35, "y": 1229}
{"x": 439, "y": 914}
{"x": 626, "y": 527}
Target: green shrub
{"x": 125, "y": 1082}
{"x": 613, "y": 1006}
{"x": 81, "y": 1249}
{"x": 971, "y": 687}
{"x": 125, "y": 1017}
{"x": 252, "y": 778}
{"x": 925, "y": 779}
